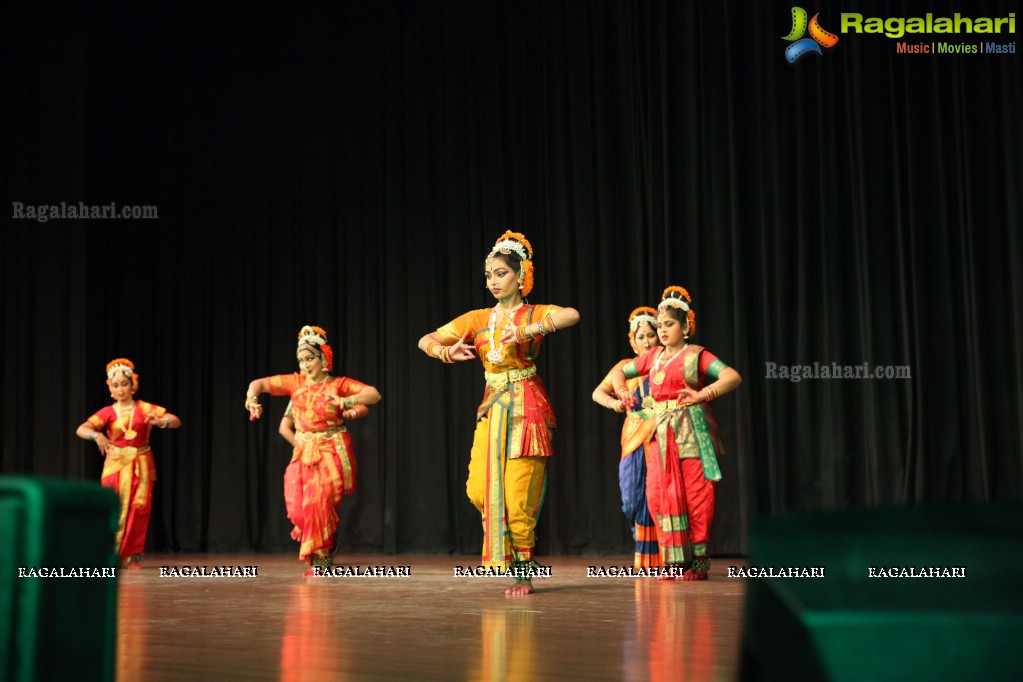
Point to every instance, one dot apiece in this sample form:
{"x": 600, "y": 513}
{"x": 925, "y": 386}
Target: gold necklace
{"x": 309, "y": 414}
{"x": 658, "y": 373}
{"x": 496, "y": 354}
{"x": 128, "y": 417}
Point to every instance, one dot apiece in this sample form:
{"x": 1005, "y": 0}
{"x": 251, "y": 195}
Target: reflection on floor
{"x": 428, "y": 625}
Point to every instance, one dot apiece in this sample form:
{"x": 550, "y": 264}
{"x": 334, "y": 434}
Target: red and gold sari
{"x": 322, "y": 467}
{"x": 682, "y": 460}
{"x": 129, "y": 470}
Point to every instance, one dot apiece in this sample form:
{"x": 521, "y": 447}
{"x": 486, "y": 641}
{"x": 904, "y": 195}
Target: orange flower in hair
{"x": 678, "y": 297}
{"x": 123, "y": 366}
{"x": 516, "y": 242}
{"x": 317, "y": 338}
{"x": 527, "y": 277}
{"x": 519, "y": 237}
{"x": 312, "y": 330}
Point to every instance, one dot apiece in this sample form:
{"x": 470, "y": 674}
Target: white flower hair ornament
{"x": 311, "y": 336}
{"x": 640, "y": 319}
{"x": 672, "y": 302}
{"x": 507, "y": 246}
{"x": 119, "y": 369}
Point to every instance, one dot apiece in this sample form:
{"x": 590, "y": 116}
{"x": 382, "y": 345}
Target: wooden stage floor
{"x": 429, "y": 625}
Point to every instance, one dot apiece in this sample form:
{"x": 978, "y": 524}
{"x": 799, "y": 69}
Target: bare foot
{"x": 520, "y": 587}
{"x": 694, "y": 575}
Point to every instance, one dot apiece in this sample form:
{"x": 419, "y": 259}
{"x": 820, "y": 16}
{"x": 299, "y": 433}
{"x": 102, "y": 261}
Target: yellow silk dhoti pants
{"x": 520, "y": 481}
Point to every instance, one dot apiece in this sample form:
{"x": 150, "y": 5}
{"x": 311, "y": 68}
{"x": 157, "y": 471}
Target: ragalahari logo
{"x": 801, "y": 46}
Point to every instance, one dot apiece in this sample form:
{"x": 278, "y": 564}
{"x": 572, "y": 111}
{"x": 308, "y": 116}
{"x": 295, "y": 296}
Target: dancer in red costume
{"x": 682, "y": 463}
{"x": 322, "y": 467}
{"x": 121, "y": 432}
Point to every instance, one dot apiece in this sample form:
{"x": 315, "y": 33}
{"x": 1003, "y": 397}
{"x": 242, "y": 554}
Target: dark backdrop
{"x": 349, "y": 164}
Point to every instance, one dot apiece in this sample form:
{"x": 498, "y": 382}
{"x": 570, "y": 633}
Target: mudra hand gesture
{"x": 628, "y": 399}
{"x": 345, "y": 407}
{"x": 509, "y": 332}
{"x": 254, "y": 408}
{"x": 461, "y": 350}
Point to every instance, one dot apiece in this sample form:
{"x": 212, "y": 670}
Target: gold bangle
{"x": 429, "y": 348}
{"x": 250, "y": 401}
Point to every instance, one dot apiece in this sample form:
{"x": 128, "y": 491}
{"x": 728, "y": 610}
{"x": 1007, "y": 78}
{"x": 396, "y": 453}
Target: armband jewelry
{"x": 429, "y": 349}
{"x": 251, "y": 401}
{"x": 93, "y": 436}
{"x": 349, "y": 403}
{"x": 165, "y": 422}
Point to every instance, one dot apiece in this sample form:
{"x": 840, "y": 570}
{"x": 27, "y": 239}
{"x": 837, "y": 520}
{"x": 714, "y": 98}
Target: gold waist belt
{"x": 309, "y": 436}
{"x": 128, "y": 452}
{"x": 666, "y": 405}
{"x": 499, "y": 380}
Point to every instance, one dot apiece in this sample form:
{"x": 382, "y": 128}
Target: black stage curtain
{"x": 349, "y": 164}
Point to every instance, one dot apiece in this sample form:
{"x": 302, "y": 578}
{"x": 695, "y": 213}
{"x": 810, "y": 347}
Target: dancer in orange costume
{"x": 637, "y": 431}
{"x": 515, "y": 422}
